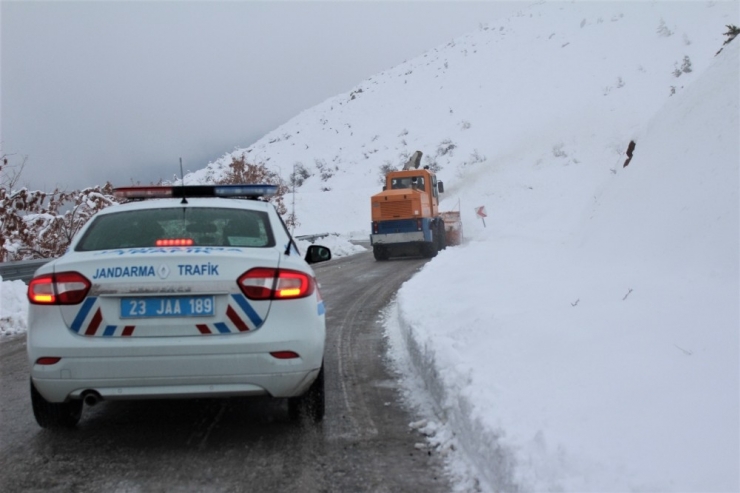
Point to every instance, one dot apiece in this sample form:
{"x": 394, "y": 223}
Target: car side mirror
{"x": 441, "y": 187}
{"x": 317, "y": 253}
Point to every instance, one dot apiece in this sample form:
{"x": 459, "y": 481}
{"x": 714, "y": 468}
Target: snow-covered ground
{"x": 585, "y": 339}
{"x": 597, "y": 351}
{"x": 13, "y": 308}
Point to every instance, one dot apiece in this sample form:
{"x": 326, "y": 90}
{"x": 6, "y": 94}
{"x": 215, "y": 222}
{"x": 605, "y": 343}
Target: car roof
{"x": 254, "y": 205}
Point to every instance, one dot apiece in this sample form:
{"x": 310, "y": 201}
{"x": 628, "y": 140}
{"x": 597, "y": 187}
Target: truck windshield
{"x": 414, "y": 182}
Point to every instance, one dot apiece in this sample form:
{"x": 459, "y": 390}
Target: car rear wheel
{"x": 310, "y": 405}
{"x": 55, "y": 415}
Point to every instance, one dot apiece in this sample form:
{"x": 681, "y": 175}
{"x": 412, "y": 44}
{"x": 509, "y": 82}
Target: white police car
{"x": 197, "y": 295}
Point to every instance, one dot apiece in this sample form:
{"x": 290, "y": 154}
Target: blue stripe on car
{"x": 222, "y": 327}
{"x": 244, "y": 305}
{"x": 82, "y": 314}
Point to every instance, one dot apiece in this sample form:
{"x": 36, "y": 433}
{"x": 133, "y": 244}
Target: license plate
{"x": 169, "y": 306}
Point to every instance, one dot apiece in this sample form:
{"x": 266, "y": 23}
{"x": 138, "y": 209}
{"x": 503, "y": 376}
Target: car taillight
{"x": 275, "y": 284}
{"x": 64, "y": 288}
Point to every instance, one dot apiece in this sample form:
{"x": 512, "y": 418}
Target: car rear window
{"x": 205, "y": 226}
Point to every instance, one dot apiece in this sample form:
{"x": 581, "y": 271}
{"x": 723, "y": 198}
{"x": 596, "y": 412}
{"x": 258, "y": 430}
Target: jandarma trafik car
{"x": 193, "y": 291}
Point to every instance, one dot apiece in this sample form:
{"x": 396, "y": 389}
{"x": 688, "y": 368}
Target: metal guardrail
{"x": 22, "y": 270}
{"x": 312, "y": 238}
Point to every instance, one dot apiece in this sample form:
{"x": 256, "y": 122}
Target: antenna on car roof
{"x": 182, "y": 184}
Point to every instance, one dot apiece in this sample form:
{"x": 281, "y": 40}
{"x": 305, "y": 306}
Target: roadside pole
{"x": 481, "y": 213}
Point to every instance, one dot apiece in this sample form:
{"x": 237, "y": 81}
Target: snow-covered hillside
{"x": 586, "y": 339}
{"x": 589, "y": 341}
{"x": 551, "y": 84}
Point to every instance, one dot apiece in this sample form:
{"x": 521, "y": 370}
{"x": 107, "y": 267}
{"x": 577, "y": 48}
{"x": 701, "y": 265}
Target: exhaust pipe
{"x": 91, "y": 397}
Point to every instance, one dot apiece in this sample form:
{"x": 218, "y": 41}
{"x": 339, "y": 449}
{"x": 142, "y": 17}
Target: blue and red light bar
{"x": 247, "y": 191}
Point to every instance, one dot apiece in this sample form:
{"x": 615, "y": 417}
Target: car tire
{"x": 310, "y": 405}
{"x": 55, "y": 415}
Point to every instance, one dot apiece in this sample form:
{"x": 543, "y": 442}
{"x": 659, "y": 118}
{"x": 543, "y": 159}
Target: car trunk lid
{"x": 162, "y": 292}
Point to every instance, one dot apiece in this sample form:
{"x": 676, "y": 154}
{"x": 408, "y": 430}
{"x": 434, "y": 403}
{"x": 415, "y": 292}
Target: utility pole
{"x": 292, "y": 225}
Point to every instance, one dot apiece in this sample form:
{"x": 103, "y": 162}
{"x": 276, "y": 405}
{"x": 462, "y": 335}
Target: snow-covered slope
{"x": 545, "y": 84}
{"x": 587, "y": 338}
{"x": 598, "y": 350}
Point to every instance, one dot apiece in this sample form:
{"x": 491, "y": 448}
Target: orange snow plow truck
{"x": 406, "y": 218}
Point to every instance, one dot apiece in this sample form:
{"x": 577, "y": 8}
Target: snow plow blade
{"x": 453, "y": 227}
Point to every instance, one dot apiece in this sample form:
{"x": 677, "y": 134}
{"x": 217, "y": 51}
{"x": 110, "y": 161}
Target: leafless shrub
{"x": 445, "y": 147}
{"x": 241, "y": 171}
{"x": 385, "y": 168}
{"x": 12, "y": 172}
{"x": 432, "y": 163}
{"x": 557, "y": 150}
{"x": 325, "y": 171}
{"x": 475, "y": 157}
{"x": 663, "y": 29}
{"x": 299, "y": 175}
{"x": 35, "y": 224}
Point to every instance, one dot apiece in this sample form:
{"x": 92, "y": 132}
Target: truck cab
{"x": 407, "y": 195}
{"x": 405, "y": 215}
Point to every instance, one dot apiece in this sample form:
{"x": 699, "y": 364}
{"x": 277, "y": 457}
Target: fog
{"x": 119, "y": 91}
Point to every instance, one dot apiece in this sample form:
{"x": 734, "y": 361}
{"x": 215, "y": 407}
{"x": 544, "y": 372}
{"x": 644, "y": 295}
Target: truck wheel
{"x": 55, "y": 415}
{"x": 442, "y": 238}
{"x": 380, "y": 253}
{"x": 429, "y": 250}
{"x": 312, "y": 404}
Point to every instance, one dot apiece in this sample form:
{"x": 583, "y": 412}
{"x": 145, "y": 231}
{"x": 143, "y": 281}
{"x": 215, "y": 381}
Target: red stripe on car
{"x": 234, "y": 317}
{"x": 128, "y": 330}
{"x": 203, "y": 329}
{"x": 94, "y": 323}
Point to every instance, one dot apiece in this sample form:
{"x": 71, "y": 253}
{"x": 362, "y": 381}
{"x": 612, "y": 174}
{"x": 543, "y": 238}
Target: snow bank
{"x": 340, "y": 246}
{"x": 597, "y": 350}
{"x": 13, "y": 307}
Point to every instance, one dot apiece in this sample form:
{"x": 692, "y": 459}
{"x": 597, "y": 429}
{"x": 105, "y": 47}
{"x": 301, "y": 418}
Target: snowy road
{"x": 365, "y": 443}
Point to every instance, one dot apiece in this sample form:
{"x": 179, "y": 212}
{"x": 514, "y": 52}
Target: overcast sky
{"x": 119, "y": 91}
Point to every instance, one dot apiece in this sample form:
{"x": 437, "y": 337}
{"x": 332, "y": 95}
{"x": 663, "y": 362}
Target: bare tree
{"x": 241, "y": 171}
{"x": 35, "y": 224}
{"x": 11, "y": 172}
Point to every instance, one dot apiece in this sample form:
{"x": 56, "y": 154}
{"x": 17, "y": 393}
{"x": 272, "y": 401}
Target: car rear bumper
{"x": 159, "y": 367}
{"x": 133, "y": 378}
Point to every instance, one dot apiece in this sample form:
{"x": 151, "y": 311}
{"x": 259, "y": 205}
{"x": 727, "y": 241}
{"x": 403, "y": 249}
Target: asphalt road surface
{"x": 364, "y": 444}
